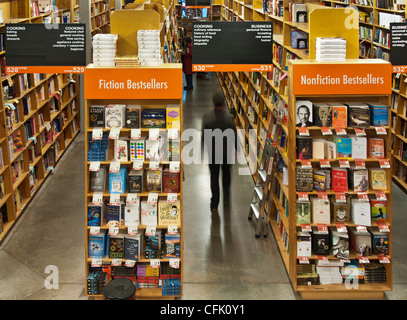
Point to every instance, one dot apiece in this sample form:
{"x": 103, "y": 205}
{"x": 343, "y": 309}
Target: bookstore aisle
{"x": 222, "y": 258}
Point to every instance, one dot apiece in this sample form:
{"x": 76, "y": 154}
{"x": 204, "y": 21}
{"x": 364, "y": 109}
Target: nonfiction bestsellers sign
{"x": 232, "y": 46}
{"x": 39, "y": 47}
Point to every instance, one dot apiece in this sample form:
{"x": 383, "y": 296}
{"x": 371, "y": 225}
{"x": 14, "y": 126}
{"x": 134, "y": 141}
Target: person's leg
{"x": 188, "y": 78}
{"x": 226, "y": 179}
{"x": 214, "y": 171}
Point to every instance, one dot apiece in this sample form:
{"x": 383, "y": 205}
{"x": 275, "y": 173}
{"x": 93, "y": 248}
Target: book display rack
{"x": 101, "y": 11}
{"x": 39, "y": 116}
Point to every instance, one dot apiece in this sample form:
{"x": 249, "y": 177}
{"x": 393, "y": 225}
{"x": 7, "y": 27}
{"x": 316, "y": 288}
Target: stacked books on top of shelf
{"x": 149, "y": 47}
{"x": 330, "y": 49}
{"x": 104, "y": 49}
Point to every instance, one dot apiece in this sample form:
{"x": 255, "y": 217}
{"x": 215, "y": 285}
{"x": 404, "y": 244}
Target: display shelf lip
{"x": 332, "y": 192}
{"x": 341, "y": 287}
{"x": 139, "y": 226}
{"x": 344, "y": 159}
{"x": 141, "y": 194}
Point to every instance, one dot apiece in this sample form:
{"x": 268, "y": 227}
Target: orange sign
{"x": 399, "y": 69}
{"x": 133, "y": 83}
{"x": 342, "y": 78}
{"x": 43, "y": 69}
{"x": 231, "y": 67}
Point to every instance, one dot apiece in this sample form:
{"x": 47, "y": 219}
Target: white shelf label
{"x": 97, "y": 198}
{"x": 174, "y": 263}
{"x": 94, "y": 230}
{"x": 130, "y": 263}
{"x": 151, "y": 230}
{"x": 152, "y": 198}
{"x": 96, "y": 262}
{"x": 117, "y": 262}
{"x": 114, "y": 133}
{"x": 154, "y": 165}
{"x": 155, "y": 263}
{"x": 172, "y": 229}
{"x": 135, "y": 134}
{"x": 115, "y": 199}
{"x": 94, "y": 166}
{"x": 173, "y": 134}
{"x": 131, "y": 198}
{"x": 172, "y": 197}
{"x": 138, "y": 165}
{"x": 132, "y": 230}
{"x": 174, "y": 166}
{"x": 97, "y": 134}
{"x": 113, "y": 231}
{"x": 153, "y": 134}
{"x": 114, "y": 166}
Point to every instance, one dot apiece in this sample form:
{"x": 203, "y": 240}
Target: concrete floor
{"x": 222, "y": 258}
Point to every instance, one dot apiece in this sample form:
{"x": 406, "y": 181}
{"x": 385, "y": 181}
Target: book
{"x": 174, "y": 150}
{"x": 377, "y": 178}
{"x": 133, "y": 116}
{"x": 121, "y": 150}
{"x": 97, "y": 244}
{"x": 169, "y": 213}
{"x": 172, "y": 245}
{"x": 319, "y": 180}
{"x": 304, "y": 178}
{"x": 118, "y": 181}
{"x": 115, "y": 214}
{"x": 339, "y": 180}
{"x": 153, "y": 151}
{"x": 360, "y": 212}
{"x": 132, "y": 214}
{"x": 116, "y": 246}
{"x": 376, "y": 148}
{"x": 379, "y": 209}
{"x": 303, "y": 211}
{"x": 321, "y": 212}
{"x": 135, "y": 181}
{"x": 340, "y": 212}
{"x": 97, "y": 116}
{"x": 154, "y": 180}
{"x": 171, "y": 181}
{"x": 359, "y": 179}
{"x": 132, "y": 247}
{"x": 358, "y": 115}
{"x": 322, "y": 113}
{"x": 360, "y": 241}
{"x": 359, "y": 147}
{"x": 173, "y": 117}
{"x": 318, "y": 148}
{"x": 304, "y": 114}
{"x": 95, "y": 215}
{"x": 380, "y": 241}
{"x": 340, "y": 244}
{"x": 97, "y": 180}
{"x": 320, "y": 242}
{"x": 304, "y": 148}
{"x": 17, "y": 141}
{"x": 115, "y": 116}
{"x": 379, "y": 115}
{"x": 137, "y": 151}
{"x": 343, "y": 147}
{"x": 299, "y": 39}
{"x": 153, "y": 118}
{"x": 154, "y": 246}
{"x": 148, "y": 214}
{"x": 330, "y": 149}
{"x": 339, "y": 115}
{"x": 304, "y": 245}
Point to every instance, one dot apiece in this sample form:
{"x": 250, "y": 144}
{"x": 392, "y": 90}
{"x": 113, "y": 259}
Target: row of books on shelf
{"x": 349, "y": 272}
{"x": 342, "y": 115}
{"x": 135, "y": 181}
{"x": 134, "y": 116}
{"x": 340, "y": 179}
{"x": 142, "y": 274}
{"x": 365, "y": 33}
{"x": 339, "y": 244}
{"x": 402, "y": 152}
{"x": 352, "y": 209}
{"x": 401, "y": 172}
{"x": 135, "y": 213}
{"x": 382, "y": 37}
{"x": 364, "y": 49}
{"x": 159, "y": 245}
{"x": 378, "y": 53}
{"x": 338, "y": 147}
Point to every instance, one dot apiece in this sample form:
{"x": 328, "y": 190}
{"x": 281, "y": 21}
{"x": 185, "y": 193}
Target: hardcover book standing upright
{"x": 359, "y": 115}
{"x": 133, "y": 116}
{"x": 96, "y": 116}
{"x": 303, "y": 210}
{"x": 322, "y": 115}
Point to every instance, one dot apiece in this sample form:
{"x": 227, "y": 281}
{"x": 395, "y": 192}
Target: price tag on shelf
{"x": 340, "y": 131}
{"x": 363, "y": 196}
{"x": 117, "y": 262}
{"x": 383, "y": 259}
{"x": 303, "y": 131}
{"x": 303, "y": 260}
{"x": 344, "y": 163}
{"x": 172, "y": 229}
{"x": 323, "y": 258}
{"x": 153, "y": 165}
{"x": 172, "y": 197}
{"x": 114, "y": 166}
{"x": 115, "y": 199}
{"x": 363, "y": 259}
{"x": 94, "y": 230}
{"x": 360, "y": 132}
{"x": 306, "y": 228}
{"x": 360, "y": 164}
{"x": 135, "y": 134}
{"x": 323, "y": 228}
{"x": 96, "y": 262}
{"x": 151, "y": 230}
{"x": 138, "y": 165}
{"x": 306, "y": 164}
{"x": 132, "y": 230}
{"x": 383, "y": 226}
{"x": 94, "y": 166}
{"x": 155, "y": 263}
{"x": 48, "y": 126}
{"x": 322, "y": 195}
{"x": 173, "y": 134}
{"x": 174, "y": 166}
{"x": 132, "y": 198}
{"x": 340, "y": 197}
{"x": 381, "y": 130}
{"x": 153, "y": 134}
{"x": 174, "y": 263}
{"x": 384, "y": 163}
{"x": 113, "y": 231}
{"x": 303, "y": 196}
{"x": 380, "y": 196}
{"x": 326, "y": 131}
{"x": 130, "y": 263}
{"x": 97, "y": 198}
{"x": 114, "y": 133}
{"x": 97, "y": 134}
{"x": 341, "y": 227}
{"x": 361, "y": 228}
{"x": 324, "y": 163}
{"x": 152, "y": 198}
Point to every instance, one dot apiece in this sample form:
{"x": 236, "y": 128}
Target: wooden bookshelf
{"x": 41, "y": 111}
{"x": 101, "y": 11}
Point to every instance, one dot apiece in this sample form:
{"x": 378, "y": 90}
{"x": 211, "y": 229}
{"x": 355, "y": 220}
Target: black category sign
{"x": 36, "y": 47}
{"x": 398, "y": 46}
{"x": 232, "y": 46}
